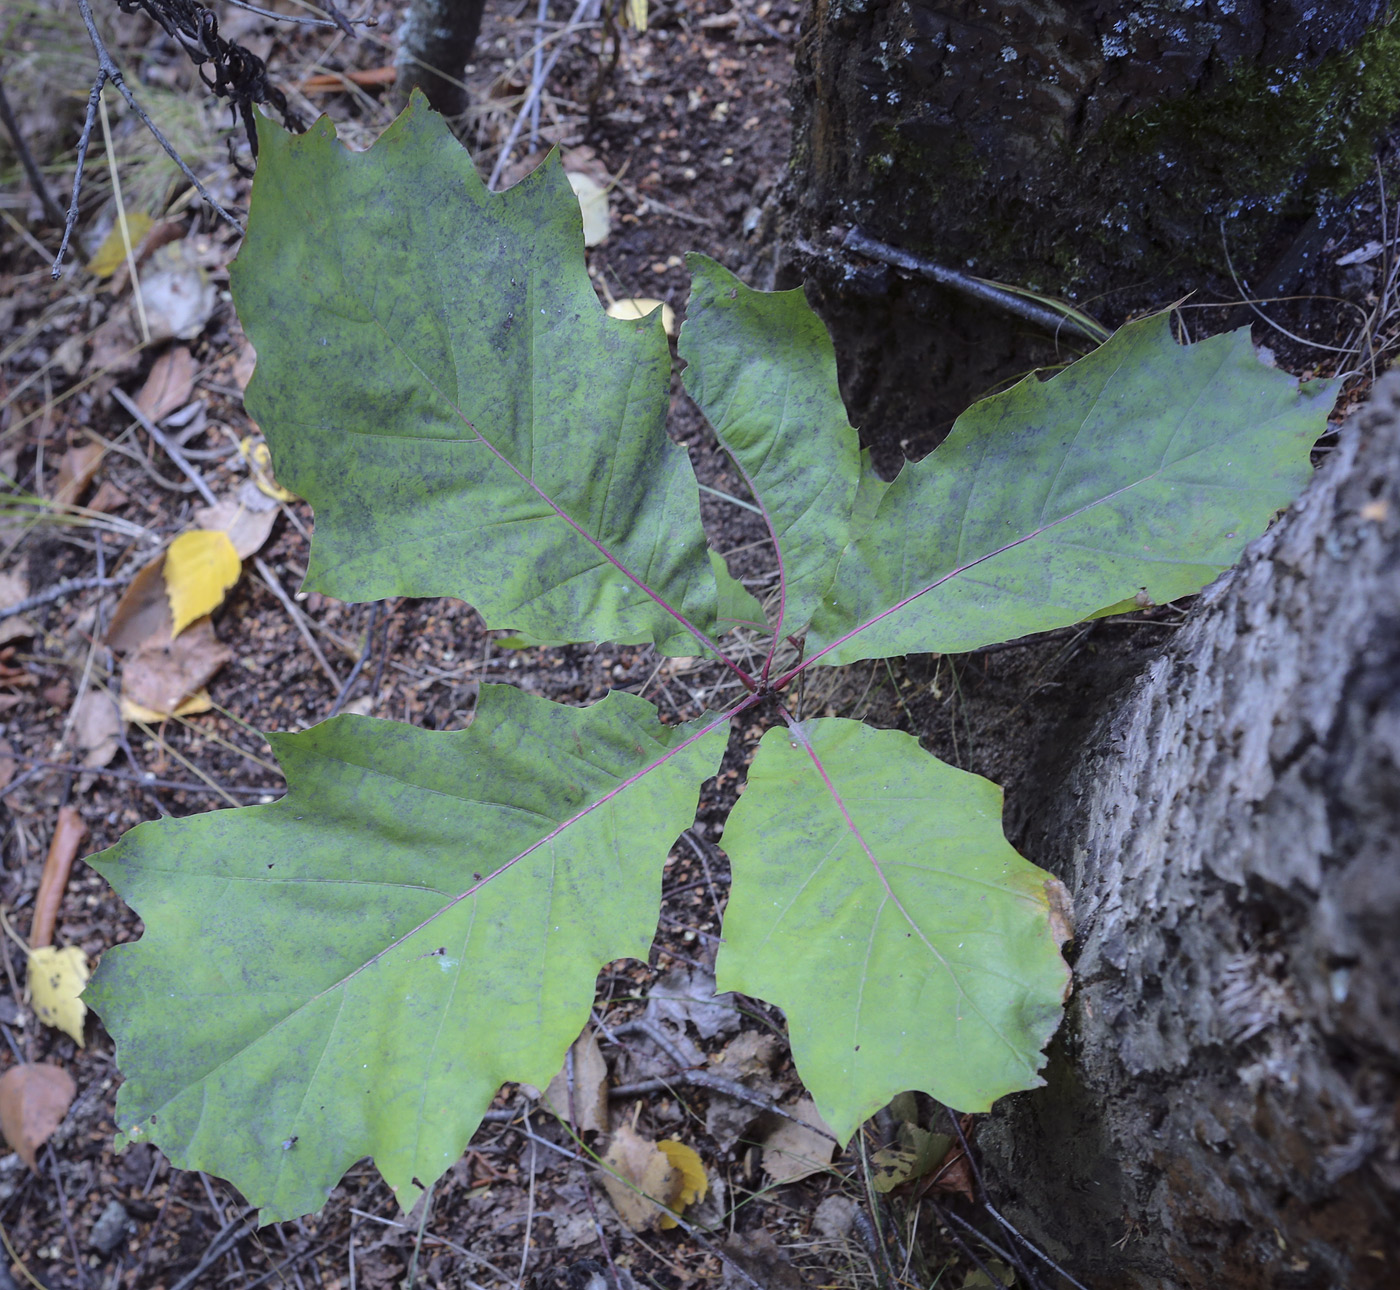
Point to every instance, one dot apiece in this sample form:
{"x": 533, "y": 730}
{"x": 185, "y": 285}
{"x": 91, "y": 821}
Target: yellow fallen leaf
{"x": 200, "y": 566}
{"x": 56, "y": 979}
{"x": 196, "y": 703}
{"x": 593, "y": 202}
{"x": 259, "y": 458}
{"x": 111, "y": 255}
{"x": 694, "y": 1183}
{"x": 640, "y": 307}
{"x": 637, "y": 14}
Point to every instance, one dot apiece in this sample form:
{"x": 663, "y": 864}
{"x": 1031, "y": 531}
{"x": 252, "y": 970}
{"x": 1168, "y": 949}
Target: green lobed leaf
{"x": 436, "y": 376}
{"x": 327, "y": 977}
{"x": 1146, "y": 466}
{"x": 763, "y": 370}
{"x": 877, "y": 902}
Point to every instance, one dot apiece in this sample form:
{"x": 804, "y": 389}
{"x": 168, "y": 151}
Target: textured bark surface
{"x": 1222, "y": 1103}
{"x": 437, "y": 36}
{"x": 1086, "y": 150}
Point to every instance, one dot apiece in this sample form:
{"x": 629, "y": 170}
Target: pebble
{"x": 111, "y": 1228}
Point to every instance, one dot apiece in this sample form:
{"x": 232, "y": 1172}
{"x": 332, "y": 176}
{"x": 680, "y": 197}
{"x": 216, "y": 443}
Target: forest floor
{"x": 687, "y": 130}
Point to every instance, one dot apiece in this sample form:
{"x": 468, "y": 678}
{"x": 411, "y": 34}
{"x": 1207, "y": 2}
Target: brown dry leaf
{"x": 97, "y": 727}
{"x": 243, "y": 364}
{"x": 247, "y": 526}
{"x": 640, "y": 1176}
{"x": 116, "y": 346}
{"x": 763, "y": 1261}
{"x": 162, "y": 674}
{"x": 34, "y": 1098}
{"x": 590, "y": 1100}
{"x": 7, "y": 764}
{"x": 76, "y": 468}
{"x": 749, "y": 1061}
{"x": 198, "y": 702}
{"x": 794, "y": 1151}
{"x": 169, "y": 385}
{"x": 143, "y": 612}
{"x": 107, "y": 498}
{"x": 14, "y": 587}
{"x": 749, "y": 1057}
{"x": 56, "y": 981}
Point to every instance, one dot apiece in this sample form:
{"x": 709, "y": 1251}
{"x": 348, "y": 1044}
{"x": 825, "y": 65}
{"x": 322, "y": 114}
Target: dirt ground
{"x": 687, "y": 126}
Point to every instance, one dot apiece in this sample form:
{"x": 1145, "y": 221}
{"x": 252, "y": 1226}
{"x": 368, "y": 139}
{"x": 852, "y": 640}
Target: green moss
{"x": 1274, "y": 135}
{"x": 1143, "y": 199}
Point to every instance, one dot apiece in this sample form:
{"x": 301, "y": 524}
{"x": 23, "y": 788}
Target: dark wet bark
{"x": 1091, "y": 151}
{"x": 435, "y": 44}
{"x": 1221, "y": 1107}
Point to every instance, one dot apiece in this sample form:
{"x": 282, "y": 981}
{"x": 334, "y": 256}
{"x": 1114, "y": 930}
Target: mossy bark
{"x": 1102, "y": 152}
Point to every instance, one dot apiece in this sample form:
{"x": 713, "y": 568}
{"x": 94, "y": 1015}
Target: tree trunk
{"x": 435, "y": 43}
{"x": 1103, "y": 152}
{"x": 1221, "y": 1107}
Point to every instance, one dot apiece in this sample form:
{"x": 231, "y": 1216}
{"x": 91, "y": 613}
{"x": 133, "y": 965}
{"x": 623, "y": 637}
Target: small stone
{"x": 111, "y": 1228}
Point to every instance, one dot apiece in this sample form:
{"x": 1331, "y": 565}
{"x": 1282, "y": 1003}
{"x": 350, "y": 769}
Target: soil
{"x": 688, "y": 124}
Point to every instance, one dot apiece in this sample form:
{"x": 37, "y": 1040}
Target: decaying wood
{"x": 1222, "y": 1102}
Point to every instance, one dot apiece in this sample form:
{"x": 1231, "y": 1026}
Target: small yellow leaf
{"x": 593, "y": 202}
{"x": 637, "y": 14}
{"x": 56, "y": 979}
{"x": 196, "y": 703}
{"x": 640, "y": 307}
{"x": 111, "y": 255}
{"x": 694, "y": 1183}
{"x": 200, "y": 567}
{"x": 259, "y": 458}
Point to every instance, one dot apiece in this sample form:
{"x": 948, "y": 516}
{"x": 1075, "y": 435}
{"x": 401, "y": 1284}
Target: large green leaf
{"x": 763, "y": 371}
{"x": 436, "y": 376}
{"x": 1145, "y": 467}
{"x": 878, "y": 903}
{"x": 355, "y": 969}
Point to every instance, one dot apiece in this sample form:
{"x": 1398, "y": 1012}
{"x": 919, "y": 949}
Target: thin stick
{"x": 418, "y": 1242}
{"x": 359, "y": 662}
{"x": 53, "y": 212}
{"x": 67, "y": 1220}
{"x": 107, "y": 70}
{"x": 302, "y": 22}
{"x": 1051, "y": 320}
{"x": 122, "y": 223}
{"x": 61, "y": 590}
{"x": 531, "y": 97}
{"x": 84, "y": 138}
{"x": 172, "y": 785}
{"x": 530, "y": 1165}
{"x": 541, "y": 16}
